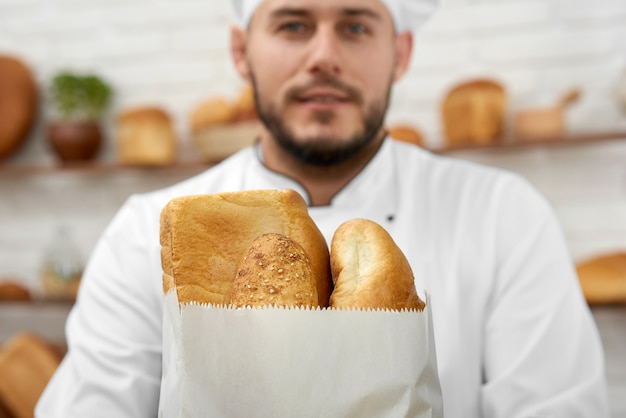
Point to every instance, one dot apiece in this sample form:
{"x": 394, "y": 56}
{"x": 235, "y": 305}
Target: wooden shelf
{"x": 44, "y": 318}
{"x": 99, "y": 167}
{"x": 192, "y": 166}
{"x": 565, "y": 141}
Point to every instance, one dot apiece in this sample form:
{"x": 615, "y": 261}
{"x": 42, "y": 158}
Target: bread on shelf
{"x": 27, "y": 363}
{"x": 603, "y": 278}
{"x": 406, "y": 133}
{"x": 145, "y": 136}
{"x": 221, "y": 126}
{"x": 473, "y": 113}
{"x": 12, "y": 291}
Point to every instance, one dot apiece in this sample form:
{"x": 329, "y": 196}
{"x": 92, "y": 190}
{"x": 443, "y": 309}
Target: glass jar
{"x": 62, "y": 267}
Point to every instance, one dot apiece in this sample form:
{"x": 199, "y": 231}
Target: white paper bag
{"x": 275, "y": 362}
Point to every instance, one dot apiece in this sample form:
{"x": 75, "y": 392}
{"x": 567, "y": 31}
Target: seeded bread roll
{"x": 369, "y": 270}
{"x": 204, "y": 238}
{"x": 276, "y": 271}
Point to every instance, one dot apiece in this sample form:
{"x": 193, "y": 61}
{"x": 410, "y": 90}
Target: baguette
{"x": 369, "y": 270}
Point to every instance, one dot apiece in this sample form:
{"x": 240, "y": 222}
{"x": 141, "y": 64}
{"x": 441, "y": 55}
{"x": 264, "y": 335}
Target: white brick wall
{"x": 586, "y": 185}
{"x": 175, "y": 53}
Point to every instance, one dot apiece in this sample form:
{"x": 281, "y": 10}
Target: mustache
{"x": 353, "y": 94}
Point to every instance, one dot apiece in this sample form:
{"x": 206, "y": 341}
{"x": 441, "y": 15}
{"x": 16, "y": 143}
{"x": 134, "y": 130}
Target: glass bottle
{"x": 62, "y": 267}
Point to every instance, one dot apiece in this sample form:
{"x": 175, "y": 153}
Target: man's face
{"x": 322, "y": 72}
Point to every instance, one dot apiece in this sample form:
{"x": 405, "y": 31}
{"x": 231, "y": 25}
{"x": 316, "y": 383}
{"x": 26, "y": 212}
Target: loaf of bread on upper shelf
{"x": 221, "y": 126}
{"x": 145, "y": 136}
{"x": 473, "y": 113}
{"x": 220, "y": 110}
{"x": 205, "y": 237}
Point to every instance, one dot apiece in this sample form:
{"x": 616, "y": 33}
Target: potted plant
{"x": 79, "y": 102}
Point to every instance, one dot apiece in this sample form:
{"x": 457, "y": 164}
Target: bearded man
{"x": 514, "y": 337}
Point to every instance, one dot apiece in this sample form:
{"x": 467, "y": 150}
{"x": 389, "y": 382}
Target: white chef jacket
{"x": 514, "y": 336}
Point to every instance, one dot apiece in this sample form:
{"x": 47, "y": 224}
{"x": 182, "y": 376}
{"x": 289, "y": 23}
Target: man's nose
{"x": 324, "y": 56}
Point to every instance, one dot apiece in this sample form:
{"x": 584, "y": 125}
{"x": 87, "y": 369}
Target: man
{"x": 514, "y": 336}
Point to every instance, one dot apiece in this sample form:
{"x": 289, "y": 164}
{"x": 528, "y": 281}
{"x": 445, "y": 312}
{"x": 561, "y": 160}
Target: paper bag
{"x": 279, "y": 362}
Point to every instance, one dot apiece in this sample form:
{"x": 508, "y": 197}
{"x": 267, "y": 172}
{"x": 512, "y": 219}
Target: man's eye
{"x": 356, "y": 29}
{"x": 292, "y": 27}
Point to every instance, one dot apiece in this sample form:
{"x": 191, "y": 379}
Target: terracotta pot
{"x": 75, "y": 140}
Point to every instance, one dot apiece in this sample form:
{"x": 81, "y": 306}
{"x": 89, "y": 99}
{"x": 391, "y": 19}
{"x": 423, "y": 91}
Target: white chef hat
{"x": 406, "y": 14}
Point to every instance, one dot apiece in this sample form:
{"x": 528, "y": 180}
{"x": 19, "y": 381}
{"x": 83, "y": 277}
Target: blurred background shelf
{"x": 192, "y": 166}
{"x": 98, "y": 167}
{"x": 561, "y": 141}
{"x": 43, "y": 318}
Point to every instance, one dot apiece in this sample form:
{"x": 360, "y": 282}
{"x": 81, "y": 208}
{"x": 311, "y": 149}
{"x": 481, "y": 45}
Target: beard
{"x": 323, "y": 151}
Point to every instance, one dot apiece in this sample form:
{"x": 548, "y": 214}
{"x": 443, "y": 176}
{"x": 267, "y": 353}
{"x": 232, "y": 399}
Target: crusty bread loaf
{"x": 11, "y": 290}
{"x": 245, "y": 106}
{"x": 603, "y": 278}
{"x": 276, "y": 271}
{"x": 145, "y": 136}
{"x": 27, "y": 363}
{"x": 473, "y": 112}
{"x": 220, "y": 141}
{"x": 406, "y": 133}
{"x": 369, "y": 270}
{"x": 220, "y": 126}
{"x": 222, "y": 111}
{"x": 204, "y": 238}
{"x": 212, "y": 112}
